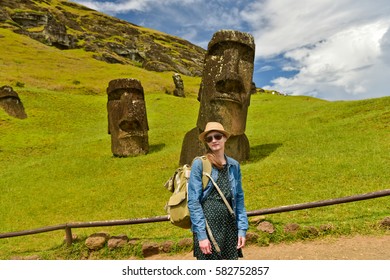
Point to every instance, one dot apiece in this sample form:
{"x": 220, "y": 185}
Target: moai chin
{"x": 224, "y": 93}
{"x": 127, "y": 120}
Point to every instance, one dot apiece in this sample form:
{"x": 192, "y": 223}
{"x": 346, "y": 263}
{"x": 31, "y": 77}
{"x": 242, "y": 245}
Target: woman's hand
{"x": 205, "y": 246}
{"x": 241, "y": 242}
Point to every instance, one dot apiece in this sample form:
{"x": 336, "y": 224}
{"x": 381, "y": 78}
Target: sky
{"x": 333, "y": 50}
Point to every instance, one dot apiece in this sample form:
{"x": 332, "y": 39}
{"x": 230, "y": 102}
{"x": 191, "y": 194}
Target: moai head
{"x": 179, "y": 85}
{"x": 11, "y": 103}
{"x": 127, "y": 120}
{"x": 225, "y": 89}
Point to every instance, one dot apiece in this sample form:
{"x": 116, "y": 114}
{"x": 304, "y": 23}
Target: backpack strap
{"x": 206, "y": 170}
{"x": 207, "y": 176}
{"x": 206, "y": 164}
{"x": 221, "y": 194}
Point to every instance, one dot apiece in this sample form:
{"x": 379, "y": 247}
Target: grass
{"x": 58, "y": 167}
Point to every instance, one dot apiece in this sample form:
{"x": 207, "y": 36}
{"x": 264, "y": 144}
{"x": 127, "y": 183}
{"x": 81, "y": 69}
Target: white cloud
{"x": 346, "y": 65}
{"x": 266, "y": 68}
{"x": 193, "y": 20}
{"x": 116, "y": 7}
{"x": 338, "y": 48}
{"x": 330, "y": 49}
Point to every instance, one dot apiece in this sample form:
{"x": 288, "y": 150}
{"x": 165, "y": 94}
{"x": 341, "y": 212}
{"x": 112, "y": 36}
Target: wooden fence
{"x": 69, "y": 226}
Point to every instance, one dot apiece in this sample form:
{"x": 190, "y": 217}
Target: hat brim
{"x": 204, "y": 133}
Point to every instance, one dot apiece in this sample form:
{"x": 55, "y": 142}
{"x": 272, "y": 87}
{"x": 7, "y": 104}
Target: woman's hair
{"x": 213, "y": 159}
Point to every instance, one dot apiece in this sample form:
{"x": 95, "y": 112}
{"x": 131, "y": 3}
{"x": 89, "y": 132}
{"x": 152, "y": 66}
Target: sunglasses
{"x": 209, "y": 138}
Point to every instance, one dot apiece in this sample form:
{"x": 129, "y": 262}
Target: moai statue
{"x": 179, "y": 85}
{"x": 224, "y": 93}
{"x": 127, "y": 121}
{"x": 11, "y": 103}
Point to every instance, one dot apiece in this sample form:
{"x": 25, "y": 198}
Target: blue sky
{"x": 333, "y": 50}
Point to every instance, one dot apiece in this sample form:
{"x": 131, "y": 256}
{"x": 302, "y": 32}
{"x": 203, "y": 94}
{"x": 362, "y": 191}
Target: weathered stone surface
{"x": 117, "y": 241}
{"x": 179, "y": 85}
{"x": 292, "y": 228}
{"x": 150, "y": 249}
{"x": 127, "y": 119}
{"x": 311, "y": 231}
{"x": 96, "y": 241}
{"x": 224, "y": 93}
{"x": 167, "y": 246}
{"x": 186, "y": 242}
{"x": 251, "y": 237}
{"x": 11, "y": 103}
{"x": 256, "y": 220}
{"x": 326, "y": 227}
{"x": 385, "y": 223}
{"x": 266, "y": 227}
{"x": 53, "y": 33}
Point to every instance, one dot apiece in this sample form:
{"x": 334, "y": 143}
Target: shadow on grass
{"x": 260, "y": 152}
{"x": 156, "y": 148}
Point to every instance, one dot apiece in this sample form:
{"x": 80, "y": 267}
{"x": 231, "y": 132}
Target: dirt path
{"x": 344, "y": 248}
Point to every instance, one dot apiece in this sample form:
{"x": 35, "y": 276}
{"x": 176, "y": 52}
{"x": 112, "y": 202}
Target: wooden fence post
{"x": 69, "y": 238}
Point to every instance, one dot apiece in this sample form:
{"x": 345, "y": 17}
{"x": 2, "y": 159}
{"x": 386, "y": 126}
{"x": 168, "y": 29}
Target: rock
{"x": 150, "y": 249}
{"x": 312, "y": 230}
{"x": 291, "y": 228}
{"x": 133, "y": 241}
{"x": 326, "y": 227}
{"x": 385, "y": 223}
{"x": 186, "y": 242}
{"x": 251, "y": 237}
{"x": 256, "y": 220}
{"x": 96, "y": 241}
{"x": 117, "y": 241}
{"x": 266, "y": 227}
{"x": 167, "y": 246}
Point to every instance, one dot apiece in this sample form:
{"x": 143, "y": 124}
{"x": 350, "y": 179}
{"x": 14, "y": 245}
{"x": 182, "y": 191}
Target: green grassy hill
{"x": 57, "y": 165}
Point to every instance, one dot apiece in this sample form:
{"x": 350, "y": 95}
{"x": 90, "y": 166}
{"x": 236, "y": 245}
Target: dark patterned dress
{"x": 222, "y": 223}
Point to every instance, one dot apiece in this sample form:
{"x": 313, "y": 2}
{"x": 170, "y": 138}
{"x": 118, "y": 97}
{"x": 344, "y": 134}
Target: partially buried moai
{"x": 11, "y": 103}
{"x": 179, "y": 85}
{"x": 127, "y": 119}
{"x": 224, "y": 93}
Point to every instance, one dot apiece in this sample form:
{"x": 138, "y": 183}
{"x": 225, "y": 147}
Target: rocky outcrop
{"x": 67, "y": 25}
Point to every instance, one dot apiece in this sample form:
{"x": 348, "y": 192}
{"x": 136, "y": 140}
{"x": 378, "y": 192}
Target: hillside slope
{"x": 58, "y": 166}
{"x": 67, "y": 25}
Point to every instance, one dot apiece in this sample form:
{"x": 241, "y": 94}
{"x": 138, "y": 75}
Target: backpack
{"x": 177, "y": 205}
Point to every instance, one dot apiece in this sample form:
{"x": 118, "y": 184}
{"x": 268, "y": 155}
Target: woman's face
{"x": 216, "y": 141}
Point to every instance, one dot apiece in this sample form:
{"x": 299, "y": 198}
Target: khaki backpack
{"x": 177, "y": 205}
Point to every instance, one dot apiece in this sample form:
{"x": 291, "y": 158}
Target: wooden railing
{"x": 69, "y": 226}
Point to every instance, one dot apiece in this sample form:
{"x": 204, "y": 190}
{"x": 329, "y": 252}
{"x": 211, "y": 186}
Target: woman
{"x": 228, "y": 230}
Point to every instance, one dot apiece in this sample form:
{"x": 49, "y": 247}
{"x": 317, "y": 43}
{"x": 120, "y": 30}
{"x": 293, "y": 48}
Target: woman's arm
{"x": 195, "y": 194}
{"x": 242, "y": 218}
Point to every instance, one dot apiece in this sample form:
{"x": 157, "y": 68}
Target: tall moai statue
{"x": 224, "y": 93}
{"x": 127, "y": 120}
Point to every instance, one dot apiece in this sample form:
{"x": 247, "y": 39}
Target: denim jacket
{"x": 196, "y": 196}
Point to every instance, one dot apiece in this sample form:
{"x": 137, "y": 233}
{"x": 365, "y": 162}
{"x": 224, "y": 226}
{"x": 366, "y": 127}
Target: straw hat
{"x": 213, "y": 126}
